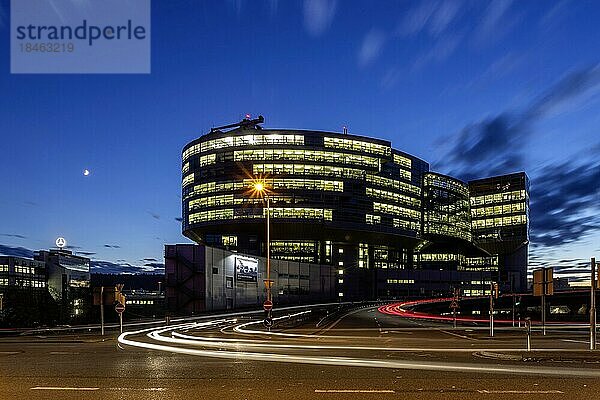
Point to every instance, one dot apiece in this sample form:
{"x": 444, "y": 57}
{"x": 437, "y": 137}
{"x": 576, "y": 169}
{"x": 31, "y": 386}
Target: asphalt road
{"x": 406, "y": 360}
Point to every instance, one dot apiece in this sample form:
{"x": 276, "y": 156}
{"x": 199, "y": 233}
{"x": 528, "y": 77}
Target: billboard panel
{"x": 246, "y": 269}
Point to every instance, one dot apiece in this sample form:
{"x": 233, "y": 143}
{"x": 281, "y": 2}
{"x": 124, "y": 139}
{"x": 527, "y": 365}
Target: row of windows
{"x": 228, "y": 186}
{"x": 207, "y": 159}
{"x": 372, "y": 219}
{"x": 498, "y": 210}
{"x": 520, "y": 219}
{"x": 230, "y": 199}
{"x": 229, "y": 240}
{"x": 24, "y": 270}
{"x": 301, "y": 213}
{"x": 307, "y": 169}
{"x": 396, "y": 210}
{"x": 293, "y": 246}
{"x": 445, "y": 183}
{"x": 3, "y": 268}
{"x": 186, "y": 167}
{"x": 437, "y": 257}
{"x": 187, "y": 180}
{"x": 448, "y": 230}
{"x": 393, "y": 183}
{"x": 245, "y": 140}
{"x": 309, "y": 184}
{"x": 515, "y": 195}
{"x": 357, "y": 145}
{"x": 29, "y": 283}
{"x": 303, "y": 259}
{"x": 305, "y": 155}
{"x": 407, "y": 225}
{"x": 399, "y": 281}
{"x": 403, "y": 161}
{"x": 397, "y": 222}
{"x": 215, "y": 187}
{"x": 393, "y": 196}
{"x": 3, "y": 281}
{"x": 140, "y": 302}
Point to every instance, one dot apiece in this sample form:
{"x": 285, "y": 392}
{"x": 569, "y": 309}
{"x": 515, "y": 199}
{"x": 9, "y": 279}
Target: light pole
{"x": 261, "y": 190}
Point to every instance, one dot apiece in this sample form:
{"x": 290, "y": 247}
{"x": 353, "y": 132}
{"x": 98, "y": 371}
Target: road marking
{"x": 353, "y": 391}
{"x": 520, "y": 392}
{"x": 575, "y": 341}
{"x": 457, "y": 335}
{"x": 62, "y": 353}
{"x": 8, "y": 353}
{"x": 64, "y": 388}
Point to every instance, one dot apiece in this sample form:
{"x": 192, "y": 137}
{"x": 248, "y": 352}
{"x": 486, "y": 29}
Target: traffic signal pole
{"x": 102, "y": 309}
{"x": 492, "y": 309}
{"x": 593, "y": 306}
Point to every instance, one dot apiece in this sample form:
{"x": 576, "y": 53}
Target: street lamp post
{"x": 260, "y": 188}
{"x": 268, "y": 250}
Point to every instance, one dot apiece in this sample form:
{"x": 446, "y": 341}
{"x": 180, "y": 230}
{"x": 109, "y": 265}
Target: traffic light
{"x": 119, "y": 296}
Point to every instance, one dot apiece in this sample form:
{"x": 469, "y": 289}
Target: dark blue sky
{"x": 470, "y": 86}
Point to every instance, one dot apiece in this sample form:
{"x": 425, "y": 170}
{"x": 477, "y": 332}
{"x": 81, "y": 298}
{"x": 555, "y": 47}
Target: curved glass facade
{"x": 446, "y": 209}
{"x": 332, "y": 184}
{"x": 349, "y": 201}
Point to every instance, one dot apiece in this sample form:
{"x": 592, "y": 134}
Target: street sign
{"x": 268, "y": 283}
{"x": 268, "y": 305}
{"x": 120, "y": 308}
{"x": 454, "y": 305}
{"x": 543, "y": 282}
{"x": 268, "y": 322}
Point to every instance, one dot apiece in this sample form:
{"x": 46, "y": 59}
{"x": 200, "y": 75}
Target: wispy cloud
{"x": 564, "y": 206}
{"x": 440, "y": 51}
{"x": 495, "y": 144}
{"x": 13, "y": 235}
{"x": 496, "y": 22}
{"x": 371, "y": 47}
{"x": 109, "y": 267}
{"x": 178, "y": 219}
{"x": 318, "y": 15}
{"x": 432, "y": 17}
{"x": 112, "y": 246}
{"x": 153, "y": 214}
{"x": 16, "y": 251}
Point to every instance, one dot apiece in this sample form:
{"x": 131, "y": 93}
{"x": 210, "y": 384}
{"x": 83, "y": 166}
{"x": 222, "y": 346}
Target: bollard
{"x": 528, "y": 329}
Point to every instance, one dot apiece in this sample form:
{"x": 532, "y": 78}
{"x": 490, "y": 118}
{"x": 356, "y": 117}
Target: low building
{"x": 201, "y": 278}
{"x": 23, "y": 290}
{"x": 68, "y": 281}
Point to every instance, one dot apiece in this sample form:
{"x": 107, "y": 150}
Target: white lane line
{"x": 63, "y": 353}
{"x": 352, "y": 391}
{"x": 9, "y": 352}
{"x": 457, "y": 335}
{"x": 575, "y": 341}
{"x": 520, "y": 392}
{"x": 87, "y": 389}
{"x": 152, "y": 389}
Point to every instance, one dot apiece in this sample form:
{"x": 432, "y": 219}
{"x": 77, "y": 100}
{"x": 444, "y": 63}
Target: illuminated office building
{"x": 22, "y": 290}
{"x": 68, "y": 280}
{"x": 376, "y": 214}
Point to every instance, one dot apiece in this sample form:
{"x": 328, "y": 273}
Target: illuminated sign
{"x": 61, "y": 242}
{"x": 246, "y": 269}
